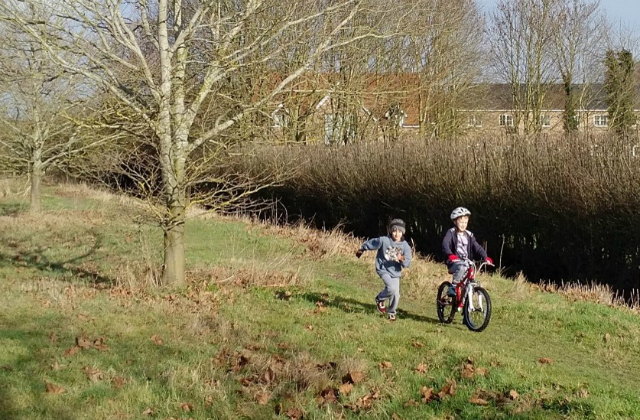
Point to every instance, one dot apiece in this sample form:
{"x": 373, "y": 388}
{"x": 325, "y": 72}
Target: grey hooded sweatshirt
{"x": 387, "y": 251}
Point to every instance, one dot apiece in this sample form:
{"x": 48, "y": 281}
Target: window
{"x": 474, "y": 121}
{"x": 506, "y": 120}
{"x": 545, "y": 120}
{"x": 280, "y": 117}
{"x": 600, "y": 120}
{"x": 395, "y": 115}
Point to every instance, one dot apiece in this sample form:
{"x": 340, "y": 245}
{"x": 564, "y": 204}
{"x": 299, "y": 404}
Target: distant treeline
{"x": 559, "y": 209}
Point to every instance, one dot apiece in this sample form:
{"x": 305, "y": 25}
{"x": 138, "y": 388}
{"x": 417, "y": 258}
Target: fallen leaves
{"x": 83, "y": 343}
{"x": 118, "y": 382}
{"x": 93, "y": 374}
{"x": 385, "y": 365}
{"x": 262, "y": 397}
{"x": 327, "y": 396}
{"x": 354, "y": 377}
{"x": 483, "y": 397}
{"x": 469, "y": 371}
{"x": 365, "y": 402}
{"x": 545, "y": 360}
{"x": 448, "y": 389}
{"x": 53, "y": 389}
{"x": 157, "y": 340}
{"x": 422, "y": 368}
{"x": 345, "y": 389}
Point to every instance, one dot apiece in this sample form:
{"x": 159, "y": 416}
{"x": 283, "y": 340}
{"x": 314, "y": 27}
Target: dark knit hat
{"x": 397, "y": 224}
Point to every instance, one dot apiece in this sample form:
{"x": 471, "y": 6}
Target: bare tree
{"x": 38, "y": 102}
{"x": 579, "y": 32}
{"x": 167, "y": 59}
{"x": 443, "y": 47}
{"x": 521, "y": 36}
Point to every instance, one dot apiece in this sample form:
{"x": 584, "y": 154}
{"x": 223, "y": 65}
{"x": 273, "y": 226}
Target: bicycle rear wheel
{"x": 477, "y": 319}
{"x": 445, "y": 304}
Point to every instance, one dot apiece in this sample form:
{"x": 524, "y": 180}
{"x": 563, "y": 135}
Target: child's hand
{"x": 359, "y": 253}
{"x": 400, "y": 258}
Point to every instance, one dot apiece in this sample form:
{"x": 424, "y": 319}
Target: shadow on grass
{"x": 352, "y": 305}
{"x": 13, "y": 209}
{"x": 14, "y": 381}
{"x": 36, "y": 259}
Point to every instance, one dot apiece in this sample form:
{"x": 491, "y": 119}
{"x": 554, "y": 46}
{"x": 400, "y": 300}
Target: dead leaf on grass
{"x": 478, "y": 401}
{"x": 118, "y": 382}
{"x": 53, "y": 389}
{"x": 427, "y": 394}
{"x": 71, "y": 351}
{"x": 327, "y": 396}
{"x": 94, "y": 375}
{"x": 186, "y": 407}
{"x": 294, "y": 414}
{"x": 411, "y": 403}
{"x": 345, "y": 389}
{"x": 422, "y": 368}
{"x": 263, "y": 397}
{"x": 365, "y": 402}
{"x": 156, "y": 339}
{"x": 148, "y": 412}
{"x": 269, "y": 376}
{"x": 386, "y": 365}
{"x": 99, "y": 344}
{"x": 545, "y": 360}
{"x": 354, "y": 377}
{"x": 582, "y": 393}
{"x": 417, "y": 344}
{"x": 448, "y": 389}
{"x": 468, "y": 371}
{"x": 481, "y": 371}
{"x": 83, "y": 343}
{"x": 513, "y": 394}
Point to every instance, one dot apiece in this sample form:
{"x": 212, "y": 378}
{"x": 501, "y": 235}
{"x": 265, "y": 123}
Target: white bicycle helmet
{"x": 459, "y": 212}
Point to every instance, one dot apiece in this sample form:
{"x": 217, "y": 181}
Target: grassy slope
{"x": 271, "y": 324}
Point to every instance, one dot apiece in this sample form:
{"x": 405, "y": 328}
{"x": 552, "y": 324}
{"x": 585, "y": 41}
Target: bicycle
{"x": 471, "y": 298}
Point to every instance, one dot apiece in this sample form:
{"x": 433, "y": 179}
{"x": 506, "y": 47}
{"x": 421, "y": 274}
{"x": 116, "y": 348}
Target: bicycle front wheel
{"x": 445, "y": 304}
{"x": 477, "y": 310}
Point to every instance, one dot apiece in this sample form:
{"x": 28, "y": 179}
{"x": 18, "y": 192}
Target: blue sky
{"x": 625, "y": 12}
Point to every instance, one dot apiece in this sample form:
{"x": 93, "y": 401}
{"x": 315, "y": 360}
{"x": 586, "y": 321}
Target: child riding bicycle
{"x": 459, "y": 245}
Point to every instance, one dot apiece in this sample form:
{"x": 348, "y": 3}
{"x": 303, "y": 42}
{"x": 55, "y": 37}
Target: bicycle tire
{"x": 479, "y": 319}
{"x": 445, "y": 304}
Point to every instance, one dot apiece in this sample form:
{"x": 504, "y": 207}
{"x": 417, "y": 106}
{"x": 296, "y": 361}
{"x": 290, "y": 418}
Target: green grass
{"x": 270, "y": 323}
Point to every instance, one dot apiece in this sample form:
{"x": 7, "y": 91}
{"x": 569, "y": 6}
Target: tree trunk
{"x": 35, "y": 205}
{"x": 174, "y": 258}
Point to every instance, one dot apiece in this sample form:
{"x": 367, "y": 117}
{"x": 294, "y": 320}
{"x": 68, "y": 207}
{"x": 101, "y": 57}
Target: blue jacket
{"x": 450, "y": 244}
{"x": 387, "y": 249}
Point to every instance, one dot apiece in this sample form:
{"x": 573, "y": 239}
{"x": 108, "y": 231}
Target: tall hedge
{"x": 555, "y": 208}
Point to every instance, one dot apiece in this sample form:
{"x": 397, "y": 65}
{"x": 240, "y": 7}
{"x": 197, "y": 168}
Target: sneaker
{"x": 380, "y": 306}
{"x": 452, "y": 291}
{"x": 392, "y": 317}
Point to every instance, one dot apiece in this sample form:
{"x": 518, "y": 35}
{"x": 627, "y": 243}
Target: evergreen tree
{"x": 619, "y": 87}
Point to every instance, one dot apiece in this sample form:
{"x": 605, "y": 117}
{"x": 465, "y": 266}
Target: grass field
{"x": 278, "y": 322}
